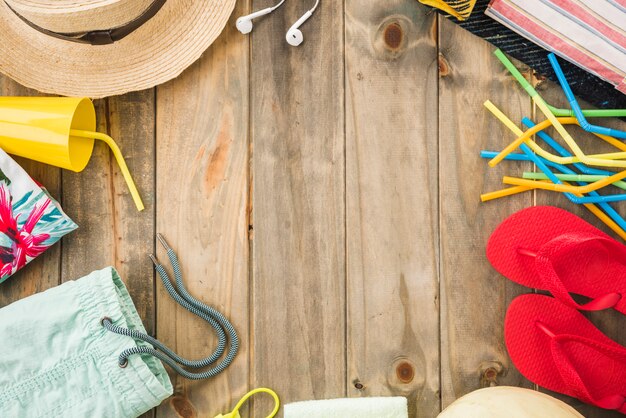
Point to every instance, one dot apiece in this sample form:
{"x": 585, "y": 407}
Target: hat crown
{"x": 78, "y": 16}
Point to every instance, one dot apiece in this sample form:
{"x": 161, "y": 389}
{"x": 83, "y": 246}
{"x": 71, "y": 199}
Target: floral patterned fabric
{"x": 30, "y": 219}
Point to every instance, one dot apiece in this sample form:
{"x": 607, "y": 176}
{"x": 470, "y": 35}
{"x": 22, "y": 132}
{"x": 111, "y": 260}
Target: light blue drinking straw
{"x": 578, "y": 112}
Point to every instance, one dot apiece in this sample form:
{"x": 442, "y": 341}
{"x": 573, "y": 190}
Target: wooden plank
{"x": 474, "y": 297}
{"x": 202, "y": 201}
{"x": 392, "y": 203}
{"x": 111, "y": 230}
{"x": 43, "y": 272}
{"x": 298, "y": 281}
{"x": 610, "y": 322}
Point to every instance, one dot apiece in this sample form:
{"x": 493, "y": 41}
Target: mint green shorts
{"x": 56, "y": 359}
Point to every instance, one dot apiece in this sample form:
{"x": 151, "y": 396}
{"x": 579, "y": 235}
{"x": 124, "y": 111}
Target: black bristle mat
{"x": 585, "y": 85}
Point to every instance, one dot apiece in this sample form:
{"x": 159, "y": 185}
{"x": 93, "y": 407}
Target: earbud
{"x": 244, "y": 23}
{"x": 294, "y": 35}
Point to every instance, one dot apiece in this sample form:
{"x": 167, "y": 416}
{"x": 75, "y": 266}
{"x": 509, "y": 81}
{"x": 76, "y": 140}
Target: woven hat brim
{"x": 156, "y": 52}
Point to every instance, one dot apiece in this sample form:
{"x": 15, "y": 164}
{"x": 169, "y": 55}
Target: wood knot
{"x": 404, "y": 376}
{"x": 358, "y": 385}
{"x": 393, "y": 36}
{"x": 490, "y": 371}
{"x": 405, "y": 372}
{"x": 444, "y": 67}
{"x": 390, "y": 39}
{"x": 183, "y": 407}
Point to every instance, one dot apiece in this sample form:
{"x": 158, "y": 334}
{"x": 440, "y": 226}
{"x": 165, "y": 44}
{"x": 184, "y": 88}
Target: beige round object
{"x": 508, "y": 402}
{"x": 157, "y": 51}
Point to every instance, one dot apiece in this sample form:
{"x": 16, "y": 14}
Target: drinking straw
{"x": 542, "y": 105}
{"x": 554, "y": 179}
{"x": 563, "y": 152}
{"x": 590, "y": 206}
{"x": 566, "y": 170}
{"x": 575, "y": 197}
{"x": 591, "y": 113}
{"x": 518, "y": 189}
{"x": 607, "y": 160}
{"x": 118, "y": 157}
{"x": 571, "y": 177}
{"x": 509, "y": 191}
{"x": 607, "y": 221}
{"x": 576, "y": 107}
{"x": 543, "y": 167}
{"x": 563, "y": 187}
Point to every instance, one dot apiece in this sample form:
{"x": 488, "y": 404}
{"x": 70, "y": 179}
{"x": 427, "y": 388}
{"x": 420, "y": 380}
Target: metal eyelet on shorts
{"x": 105, "y": 318}
{"x": 124, "y": 364}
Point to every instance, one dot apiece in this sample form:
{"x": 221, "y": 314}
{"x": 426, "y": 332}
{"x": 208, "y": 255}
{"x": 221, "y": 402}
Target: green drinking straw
{"x": 590, "y": 113}
{"x": 572, "y": 177}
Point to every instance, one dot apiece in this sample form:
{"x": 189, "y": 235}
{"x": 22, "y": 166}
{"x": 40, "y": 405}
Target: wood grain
{"x": 610, "y": 322}
{"x": 111, "y": 230}
{"x": 298, "y": 277}
{"x": 202, "y": 191}
{"x": 474, "y": 297}
{"x": 43, "y": 272}
{"x": 391, "y": 203}
{"x": 325, "y": 198}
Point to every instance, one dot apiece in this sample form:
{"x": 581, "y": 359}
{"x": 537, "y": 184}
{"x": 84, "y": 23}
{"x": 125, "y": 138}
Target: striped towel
{"x": 588, "y": 33}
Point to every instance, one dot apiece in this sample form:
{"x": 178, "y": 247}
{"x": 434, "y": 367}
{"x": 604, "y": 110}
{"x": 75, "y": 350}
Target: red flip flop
{"x": 548, "y": 248}
{"x": 556, "y": 347}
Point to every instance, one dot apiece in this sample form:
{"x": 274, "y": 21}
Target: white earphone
{"x": 294, "y": 34}
{"x": 244, "y": 23}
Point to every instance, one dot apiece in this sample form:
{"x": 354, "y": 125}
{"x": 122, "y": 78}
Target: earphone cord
{"x": 278, "y": 5}
{"x": 317, "y": 3}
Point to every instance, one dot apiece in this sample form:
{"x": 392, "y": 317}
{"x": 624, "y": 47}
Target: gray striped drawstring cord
{"x": 223, "y": 328}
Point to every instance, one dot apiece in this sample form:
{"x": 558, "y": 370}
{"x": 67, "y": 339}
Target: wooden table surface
{"x": 326, "y": 198}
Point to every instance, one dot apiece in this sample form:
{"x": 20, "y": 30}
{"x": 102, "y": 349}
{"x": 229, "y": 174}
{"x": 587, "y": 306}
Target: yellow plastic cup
{"x": 38, "y": 128}
{"x": 59, "y": 131}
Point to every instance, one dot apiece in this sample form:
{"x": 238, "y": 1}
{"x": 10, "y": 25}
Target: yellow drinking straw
{"x": 117, "y": 153}
{"x": 605, "y": 160}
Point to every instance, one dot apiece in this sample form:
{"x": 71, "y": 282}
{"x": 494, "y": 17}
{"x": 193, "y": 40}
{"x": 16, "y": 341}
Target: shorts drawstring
{"x": 180, "y": 294}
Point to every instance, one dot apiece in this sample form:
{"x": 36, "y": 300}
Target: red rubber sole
{"x": 586, "y": 269}
{"x": 530, "y": 348}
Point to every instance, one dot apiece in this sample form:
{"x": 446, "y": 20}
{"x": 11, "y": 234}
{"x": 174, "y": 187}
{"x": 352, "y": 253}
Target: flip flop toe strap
{"x": 553, "y": 283}
{"x": 572, "y": 378}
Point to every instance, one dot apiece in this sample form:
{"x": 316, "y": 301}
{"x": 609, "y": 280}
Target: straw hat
{"x": 98, "y": 48}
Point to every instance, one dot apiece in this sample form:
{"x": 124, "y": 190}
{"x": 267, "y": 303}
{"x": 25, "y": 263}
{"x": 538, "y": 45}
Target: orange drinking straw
{"x": 604, "y": 218}
{"x": 509, "y": 191}
{"x": 595, "y": 159}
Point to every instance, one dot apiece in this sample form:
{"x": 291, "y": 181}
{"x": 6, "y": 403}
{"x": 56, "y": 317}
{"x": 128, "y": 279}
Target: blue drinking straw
{"x": 582, "y": 121}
